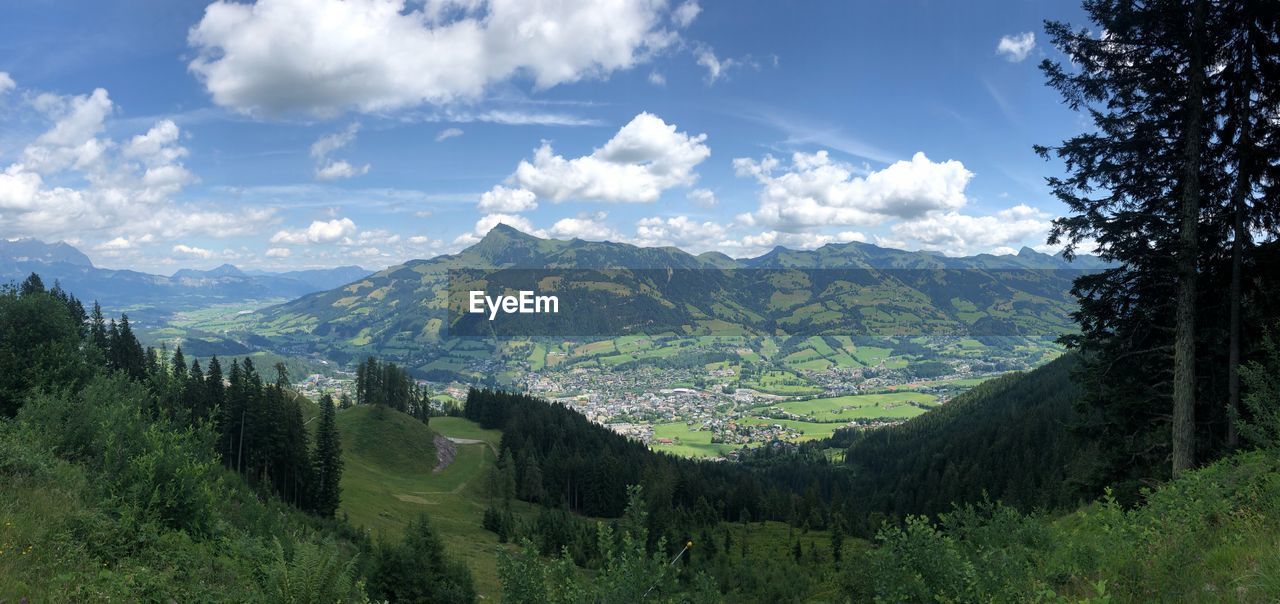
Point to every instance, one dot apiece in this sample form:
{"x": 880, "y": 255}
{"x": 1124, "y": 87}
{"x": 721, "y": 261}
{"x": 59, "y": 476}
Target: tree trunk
{"x": 1184, "y": 355}
{"x": 1233, "y": 349}
{"x": 1239, "y": 235}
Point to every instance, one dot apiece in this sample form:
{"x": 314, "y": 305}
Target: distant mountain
{"x": 325, "y": 278}
{"x": 137, "y": 291}
{"x": 34, "y": 250}
{"x": 226, "y": 270}
{"x": 401, "y": 312}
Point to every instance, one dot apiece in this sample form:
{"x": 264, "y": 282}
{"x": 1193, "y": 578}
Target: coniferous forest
{"x": 1142, "y": 464}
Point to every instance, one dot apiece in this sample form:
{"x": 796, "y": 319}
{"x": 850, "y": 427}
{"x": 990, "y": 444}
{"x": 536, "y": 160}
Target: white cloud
{"x": 196, "y": 252}
{"x": 123, "y": 188}
{"x": 419, "y": 239}
{"x": 816, "y": 191}
{"x": 6, "y": 82}
{"x": 646, "y": 157}
{"x": 320, "y": 231}
{"x": 958, "y": 234}
{"x": 503, "y": 200}
{"x": 73, "y": 141}
{"x": 588, "y": 226}
{"x": 172, "y": 222}
{"x": 279, "y": 252}
{"x": 334, "y": 169}
{"x": 324, "y": 56}
{"x": 716, "y": 68}
{"x": 375, "y": 237}
{"x": 684, "y": 14}
{"x": 156, "y": 147}
{"x": 679, "y": 231}
{"x": 329, "y": 143}
{"x": 117, "y": 243}
{"x": 19, "y": 188}
{"x": 448, "y": 133}
{"x": 1016, "y": 47}
{"x": 657, "y": 79}
{"x": 337, "y": 169}
{"x": 705, "y": 198}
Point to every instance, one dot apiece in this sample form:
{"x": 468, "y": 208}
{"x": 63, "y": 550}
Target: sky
{"x": 283, "y": 134}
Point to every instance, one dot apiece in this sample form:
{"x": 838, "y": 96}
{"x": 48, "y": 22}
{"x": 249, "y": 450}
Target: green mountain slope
{"x": 389, "y": 477}
{"x": 1007, "y": 439}
{"x": 401, "y": 312}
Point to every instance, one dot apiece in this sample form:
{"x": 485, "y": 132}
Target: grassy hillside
{"x": 389, "y": 478}
{"x": 1209, "y": 536}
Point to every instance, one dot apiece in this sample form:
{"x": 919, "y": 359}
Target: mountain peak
{"x": 504, "y": 232}
{"x": 34, "y": 250}
{"x": 226, "y": 270}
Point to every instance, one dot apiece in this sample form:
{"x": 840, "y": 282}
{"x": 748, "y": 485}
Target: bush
{"x": 416, "y": 570}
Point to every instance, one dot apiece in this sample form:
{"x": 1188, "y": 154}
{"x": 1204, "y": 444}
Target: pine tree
{"x": 327, "y": 461}
{"x": 98, "y": 329}
{"x": 1137, "y": 185}
{"x": 32, "y": 285}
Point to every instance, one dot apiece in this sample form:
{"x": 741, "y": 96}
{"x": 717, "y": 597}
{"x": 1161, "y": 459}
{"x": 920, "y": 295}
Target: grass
{"x": 861, "y": 406}
{"x": 389, "y": 479}
{"x": 688, "y": 442}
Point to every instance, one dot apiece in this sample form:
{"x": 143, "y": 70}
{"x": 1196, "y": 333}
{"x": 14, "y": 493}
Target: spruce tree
{"x": 1136, "y": 185}
{"x": 327, "y": 461}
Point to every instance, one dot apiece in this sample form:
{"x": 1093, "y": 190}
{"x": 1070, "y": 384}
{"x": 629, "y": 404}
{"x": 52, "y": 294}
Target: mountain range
{"x": 133, "y": 290}
{"x": 402, "y": 312}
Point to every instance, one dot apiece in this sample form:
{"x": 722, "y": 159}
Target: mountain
{"x": 226, "y": 270}
{"x": 1007, "y": 440}
{"x": 322, "y": 278}
{"x": 147, "y": 293}
{"x": 401, "y": 312}
{"x": 34, "y": 250}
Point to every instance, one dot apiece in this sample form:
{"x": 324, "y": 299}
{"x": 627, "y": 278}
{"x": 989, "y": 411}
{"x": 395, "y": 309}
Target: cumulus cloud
{"x": 587, "y": 226}
{"x": 678, "y": 231}
{"x": 195, "y": 252}
{"x": 125, "y": 187}
{"x": 6, "y": 82}
{"x": 1016, "y": 47}
{"x": 702, "y": 197}
{"x": 325, "y": 56}
{"x": 279, "y": 252}
{"x": 320, "y": 231}
{"x": 645, "y": 158}
{"x": 815, "y": 191}
{"x": 334, "y": 169}
{"x": 122, "y": 243}
{"x": 958, "y": 234}
{"x": 503, "y": 200}
{"x": 419, "y": 239}
{"x": 448, "y": 133}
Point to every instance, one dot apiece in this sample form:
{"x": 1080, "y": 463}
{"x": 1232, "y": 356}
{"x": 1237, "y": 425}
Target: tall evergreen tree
{"x": 1137, "y": 186}
{"x": 327, "y": 461}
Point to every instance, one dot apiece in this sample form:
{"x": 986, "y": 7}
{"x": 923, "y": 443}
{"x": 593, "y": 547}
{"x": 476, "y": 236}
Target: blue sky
{"x": 299, "y": 133}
